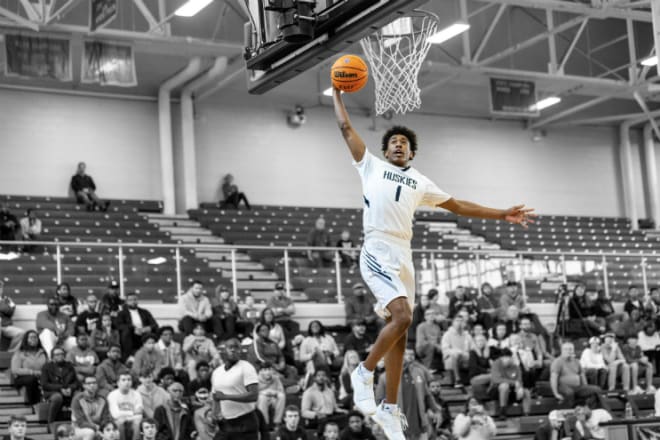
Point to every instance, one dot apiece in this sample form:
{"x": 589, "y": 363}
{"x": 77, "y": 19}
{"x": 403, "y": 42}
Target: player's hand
{"x": 520, "y": 215}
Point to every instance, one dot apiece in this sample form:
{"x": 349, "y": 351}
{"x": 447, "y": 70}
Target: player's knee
{"x": 401, "y": 313}
{"x": 503, "y": 387}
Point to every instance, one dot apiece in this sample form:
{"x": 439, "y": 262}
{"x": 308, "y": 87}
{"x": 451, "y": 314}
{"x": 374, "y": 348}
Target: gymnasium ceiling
{"x": 597, "y": 35}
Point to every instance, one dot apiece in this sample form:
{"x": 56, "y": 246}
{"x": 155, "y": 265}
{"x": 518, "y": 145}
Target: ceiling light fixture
{"x": 192, "y": 7}
{"x": 650, "y": 61}
{"x": 157, "y": 260}
{"x": 448, "y": 33}
{"x": 545, "y": 103}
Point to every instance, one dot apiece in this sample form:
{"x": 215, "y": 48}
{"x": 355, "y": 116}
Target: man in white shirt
{"x": 235, "y": 385}
{"x": 195, "y": 308}
{"x": 126, "y": 407}
{"x": 392, "y": 191}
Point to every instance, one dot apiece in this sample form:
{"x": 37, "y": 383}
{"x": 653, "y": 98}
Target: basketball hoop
{"x": 395, "y": 55}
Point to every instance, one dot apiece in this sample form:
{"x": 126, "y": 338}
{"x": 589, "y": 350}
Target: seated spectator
{"x": 462, "y": 301}
{"x": 250, "y": 314}
{"x": 203, "y": 379}
{"x": 511, "y": 296}
{"x": 359, "y": 340}
{"x": 89, "y": 319}
{"x": 225, "y": 313}
{"x": 479, "y": 362}
{"x": 486, "y": 305}
{"x": 84, "y": 189}
{"x": 151, "y": 394}
{"x": 593, "y": 363}
{"x": 351, "y": 361}
{"x": 83, "y": 358}
{"x": 568, "y": 381}
{"x": 616, "y": 363}
{"x": 524, "y": 359}
{"x": 511, "y": 320}
{"x": 7, "y": 327}
{"x": 359, "y": 307}
{"x": 318, "y": 236}
{"x": 58, "y": 382}
{"x": 104, "y": 337}
{"x": 30, "y": 227}
{"x": 649, "y": 342}
{"x": 639, "y": 364}
{"x": 232, "y": 196}
{"x": 474, "y": 423}
{"x": 68, "y": 304}
{"x": 148, "y": 357}
{"x": 534, "y": 343}
{"x": 8, "y": 224}
{"x": 174, "y": 420}
{"x": 126, "y": 407}
{"x": 630, "y": 325}
{"x": 263, "y": 349}
{"x": 603, "y": 306}
{"x": 111, "y": 302}
{"x": 195, "y": 308}
{"x": 89, "y": 410}
{"x": 109, "y": 431}
{"x": 291, "y": 429}
{"x": 26, "y": 365}
{"x": 428, "y": 341}
{"x": 456, "y": 346}
{"x": 356, "y": 429}
{"x": 553, "y": 428}
{"x": 478, "y": 330}
{"x": 347, "y": 255}
{"x": 133, "y": 322}
{"x": 439, "y": 417}
{"x": 633, "y": 301}
{"x": 64, "y": 431}
{"x": 197, "y": 347}
{"x": 109, "y": 370}
{"x": 283, "y": 310}
{"x": 330, "y": 431}
{"x": 271, "y": 395}
{"x": 16, "y": 428}
{"x": 172, "y": 352}
{"x": 55, "y": 328}
{"x": 423, "y": 303}
{"x": 498, "y": 339}
{"x": 148, "y": 429}
{"x": 319, "y": 404}
{"x": 587, "y": 424}
{"x": 506, "y": 385}
{"x": 166, "y": 377}
{"x": 277, "y": 334}
{"x": 581, "y": 310}
{"x": 318, "y": 349}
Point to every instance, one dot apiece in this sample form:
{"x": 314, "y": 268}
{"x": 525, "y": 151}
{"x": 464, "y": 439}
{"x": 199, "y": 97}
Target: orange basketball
{"x": 349, "y": 73}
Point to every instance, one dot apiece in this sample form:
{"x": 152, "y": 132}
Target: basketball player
{"x": 392, "y": 191}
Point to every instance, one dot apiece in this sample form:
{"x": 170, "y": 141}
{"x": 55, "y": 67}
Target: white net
{"x": 395, "y": 55}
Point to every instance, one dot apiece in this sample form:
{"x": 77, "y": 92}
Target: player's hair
{"x": 292, "y": 408}
{"x": 399, "y": 129}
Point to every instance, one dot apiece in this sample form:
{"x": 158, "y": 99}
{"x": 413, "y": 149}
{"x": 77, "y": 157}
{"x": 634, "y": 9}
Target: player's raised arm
{"x": 353, "y": 140}
{"x": 516, "y": 215}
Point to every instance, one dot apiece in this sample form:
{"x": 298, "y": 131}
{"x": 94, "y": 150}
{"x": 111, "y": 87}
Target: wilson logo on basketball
{"x": 342, "y": 74}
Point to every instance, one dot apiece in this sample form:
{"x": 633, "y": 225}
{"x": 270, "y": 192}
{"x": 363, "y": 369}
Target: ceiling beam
{"x": 489, "y": 32}
{"x": 569, "y": 51}
{"x": 146, "y": 13}
{"x": 18, "y": 20}
{"x": 569, "y": 111}
{"x": 31, "y": 10}
{"x": 578, "y": 8}
{"x": 62, "y": 11}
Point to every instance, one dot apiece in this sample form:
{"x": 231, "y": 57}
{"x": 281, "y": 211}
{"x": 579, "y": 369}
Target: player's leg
{"x": 396, "y": 327}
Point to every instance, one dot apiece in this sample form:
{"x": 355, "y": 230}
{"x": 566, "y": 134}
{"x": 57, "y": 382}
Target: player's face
{"x": 398, "y": 150}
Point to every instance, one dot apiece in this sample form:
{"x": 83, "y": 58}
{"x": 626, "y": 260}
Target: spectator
{"x": 64, "y": 431}
{"x": 148, "y": 357}
{"x": 104, "y": 337}
{"x": 109, "y": 431}
{"x": 359, "y": 340}
{"x": 271, "y": 395}
{"x": 172, "y": 352}
{"x": 30, "y": 227}
{"x": 456, "y": 346}
{"x": 16, "y": 428}
{"x": 283, "y": 310}
{"x": 356, "y": 429}
{"x": 68, "y": 303}
{"x": 512, "y": 320}
{"x": 319, "y": 404}
{"x": 462, "y": 301}
{"x": 250, "y": 314}
{"x": 633, "y": 302}
{"x": 126, "y": 407}
{"x": 197, "y": 347}
{"x": 89, "y": 410}
{"x": 152, "y": 395}
{"x": 350, "y": 363}
{"x": 428, "y": 341}
{"x": 58, "y": 382}
{"x": 166, "y": 377}
{"x": 479, "y": 362}
{"x": 506, "y": 385}
{"x": 7, "y": 327}
{"x": 109, "y": 370}
{"x": 347, "y": 255}
{"x": 474, "y": 423}
{"x": 206, "y": 423}
{"x": 225, "y": 312}
{"x": 567, "y": 378}
{"x": 83, "y": 358}
{"x": 330, "y": 431}
{"x": 524, "y": 358}
{"x": 318, "y": 349}
{"x": 639, "y": 364}
{"x": 173, "y": 419}
{"x": 583, "y": 313}
{"x": 263, "y": 349}
{"x": 203, "y": 379}
{"x": 425, "y": 301}
{"x": 534, "y": 343}
{"x": 276, "y": 334}
{"x": 498, "y": 340}
{"x": 587, "y": 424}
{"x": 111, "y": 302}
{"x": 54, "y": 327}
{"x": 148, "y": 429}
{"x": 649, "y": 342}
{"x": 195, "y": 308}
{"x": 291, "y": 430}
{"x": 89, "y": 319}
{"x": 440, "y": 417}
{"x": 553, "y": 428}
{"x": 616, "y": 363}
{"x": 318, "y": 236}
{"x": 232, "y": 196}
{"x": 8, "y": 224}
{"x": 360, "y": 308}
{"x": 593, "y": 363}
{"x": 26, "y": 365}
{"x": 133, "y": 322}
{"x": 486, "y": 305}
{"x": 511, "y": 296}
{"x": 236, "y": 388}
{"x": 84, "y": 189}
{"x": 603, "y": 305}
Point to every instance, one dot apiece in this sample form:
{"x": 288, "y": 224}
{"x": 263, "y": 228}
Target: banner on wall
{"x": 512, "y": 97}
{"x": 101, "y": 12}
{"x": 108, "y": 64}
{"x": 38, "y": 57}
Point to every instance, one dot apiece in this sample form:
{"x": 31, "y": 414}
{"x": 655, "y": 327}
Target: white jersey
{"x": 391, "y": 196}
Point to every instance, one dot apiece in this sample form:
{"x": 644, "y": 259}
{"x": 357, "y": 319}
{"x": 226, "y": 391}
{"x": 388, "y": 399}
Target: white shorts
{"x": 387, "y": 267}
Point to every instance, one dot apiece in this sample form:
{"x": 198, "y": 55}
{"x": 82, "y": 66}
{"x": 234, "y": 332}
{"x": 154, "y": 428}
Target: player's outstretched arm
{"x": 516, "y": 215}
{"x": 353, "y": 140}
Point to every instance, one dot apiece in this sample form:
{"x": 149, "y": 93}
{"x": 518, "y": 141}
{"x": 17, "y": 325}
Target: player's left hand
{"x": 520, "y": 215}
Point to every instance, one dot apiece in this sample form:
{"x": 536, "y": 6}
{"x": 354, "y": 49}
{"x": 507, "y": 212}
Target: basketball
{"x": 349, "y": 73}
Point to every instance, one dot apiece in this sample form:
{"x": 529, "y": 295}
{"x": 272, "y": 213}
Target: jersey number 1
{"x": 398, "y": 193}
